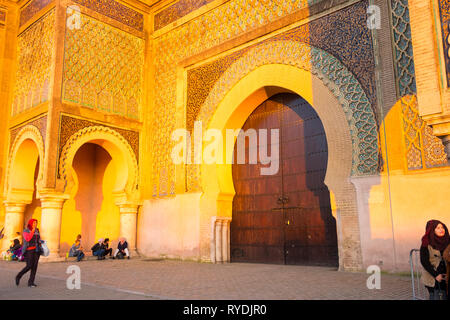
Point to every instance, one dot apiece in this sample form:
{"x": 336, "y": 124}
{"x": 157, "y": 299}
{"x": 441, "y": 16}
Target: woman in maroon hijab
{"x": 31, "y": 250}
{"x": 434, "y": 242}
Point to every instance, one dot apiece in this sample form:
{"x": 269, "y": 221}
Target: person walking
{"x": 434, "y": 242}
{"x": 31, "y": 250}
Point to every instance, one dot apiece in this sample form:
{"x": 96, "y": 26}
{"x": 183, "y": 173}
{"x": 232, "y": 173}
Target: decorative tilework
{"x": 344, "y": 34}
{"x": 403, "y": 49}
{"x": 212, "y": 28}
{"x": 201, "y": 80}
{"x": 177, "y": 11}
{"x": 91, "y": 133}
{"x": 116, "y": 11}
{"x": 423, "y": 149}
{"x": 103, "y": 68}
{"x": 343, "y": 84}
{"x": 70, "y": 125}
{"x": 27, "y": 13}
{"x": 444, "y": 11}
{"x": 35, "y": 54}
{"x": 40, "y": 124}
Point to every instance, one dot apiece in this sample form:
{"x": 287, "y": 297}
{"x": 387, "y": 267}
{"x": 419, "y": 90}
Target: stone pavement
{"x": 155, "y": 279}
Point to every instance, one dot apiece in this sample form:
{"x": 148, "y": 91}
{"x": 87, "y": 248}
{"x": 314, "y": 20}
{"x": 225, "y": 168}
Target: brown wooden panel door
{"x": 257, "y": 233}
{"x": 285, "y": 218}
{"x": 310, "y": 229}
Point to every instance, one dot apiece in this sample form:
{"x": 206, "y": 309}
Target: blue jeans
{"x": 438, "y": 292}
{"x": 80, "y": 255}
{"x": 99, "y": 253}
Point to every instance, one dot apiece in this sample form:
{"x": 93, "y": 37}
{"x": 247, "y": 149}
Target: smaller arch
{"x": 115, "y": 144}
{"x": 28, "y": 147}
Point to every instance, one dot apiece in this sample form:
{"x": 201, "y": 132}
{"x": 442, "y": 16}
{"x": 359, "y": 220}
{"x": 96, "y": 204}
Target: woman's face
{"x": 34, "y": 224}
{"x": 439, "y": 231}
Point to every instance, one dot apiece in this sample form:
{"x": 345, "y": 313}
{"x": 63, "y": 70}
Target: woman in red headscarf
{"x": 434, "y": 242}
{"x": 31, "y": 250}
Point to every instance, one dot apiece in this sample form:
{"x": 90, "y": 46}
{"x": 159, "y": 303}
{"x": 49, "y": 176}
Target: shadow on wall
{"x": 91, "y": 211}
{"x": 316, "y": 160}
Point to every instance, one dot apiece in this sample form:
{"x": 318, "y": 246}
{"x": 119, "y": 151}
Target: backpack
{"x": 120, "y": 255}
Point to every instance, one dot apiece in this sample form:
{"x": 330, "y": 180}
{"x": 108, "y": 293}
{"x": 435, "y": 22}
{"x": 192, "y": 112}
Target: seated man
{"x": 108, "y": 250}
{"x": 122, "y": 247}
{"x": 15, "y": 250}
{"x": 98, "y": 250}
{"x": 76, "y": 250}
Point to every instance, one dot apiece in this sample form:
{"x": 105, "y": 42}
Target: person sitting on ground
{"x": 77, "y": 250}
{"x": 434, "y": 242}
{"x": 108, "y": 250}
{"x": 122, "y": 248}
{"x": 98, "y": 250}
{"x": 18, "y": 253}
{"x": 15, "y": 250}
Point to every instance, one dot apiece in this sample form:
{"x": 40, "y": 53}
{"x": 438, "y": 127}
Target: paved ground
{"x": 168, "y": 279}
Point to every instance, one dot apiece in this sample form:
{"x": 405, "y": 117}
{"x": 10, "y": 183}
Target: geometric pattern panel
{"x": 40, "y": 124}
{"x": 403, "y": 49}
{"x": 34, "y": 60}
{"x": 183, "y": 7}
{"x": 117, "y": 11}
{"x": 423, "y": 149}
{"x": 31, "y": 9}
{"x": 177, "y": 11}
{"x": 71, "y": 125}
{"x": 103, "y": 68}
{"x": 444, "y": 10}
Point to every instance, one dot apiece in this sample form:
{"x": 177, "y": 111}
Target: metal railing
{"x": 419, "y": 291}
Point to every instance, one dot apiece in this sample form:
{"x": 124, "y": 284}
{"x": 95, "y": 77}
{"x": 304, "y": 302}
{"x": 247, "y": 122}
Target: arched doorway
{"x": 285, "y": 218}
{"x": 97, "y": 164}
{"x": 24, "y": 174}
{"x": 91, "y": 210}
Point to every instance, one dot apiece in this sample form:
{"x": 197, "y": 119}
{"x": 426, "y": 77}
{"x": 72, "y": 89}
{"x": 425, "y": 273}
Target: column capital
{"x": 12, "y": 206}
{"x": 52, "y": 198}
{"x": 128, "y": 207}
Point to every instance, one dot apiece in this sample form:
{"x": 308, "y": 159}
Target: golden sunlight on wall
{"x": 398, "y": 205}
{"x": 90, "y": 211}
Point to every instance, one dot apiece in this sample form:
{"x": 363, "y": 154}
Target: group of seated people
{"x": 100, "y": 249}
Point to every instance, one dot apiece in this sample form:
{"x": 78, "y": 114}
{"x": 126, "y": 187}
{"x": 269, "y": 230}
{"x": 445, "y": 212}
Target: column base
{"x": 134, "y": 253}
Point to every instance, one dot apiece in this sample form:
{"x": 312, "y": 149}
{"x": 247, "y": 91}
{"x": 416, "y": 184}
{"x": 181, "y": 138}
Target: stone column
{"x": 226, "y": 240}
{"x": 50, "y": 224}
{"x": 13, "y": 222}
{"x": 128, "y": 225}
{"x": 220, "y": 242}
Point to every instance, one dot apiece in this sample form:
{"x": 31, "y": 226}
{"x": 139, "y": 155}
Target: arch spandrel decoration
{"x": 29, "y": 132}
{"x": 341, "y": 82}
{"x": 114, "y": 143}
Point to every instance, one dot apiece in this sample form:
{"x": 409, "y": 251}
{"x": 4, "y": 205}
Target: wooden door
{"x": 285, "y": 218}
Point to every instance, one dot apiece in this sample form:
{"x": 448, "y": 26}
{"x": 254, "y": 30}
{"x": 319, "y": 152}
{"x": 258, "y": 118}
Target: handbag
{"x": 44, "y": 249}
